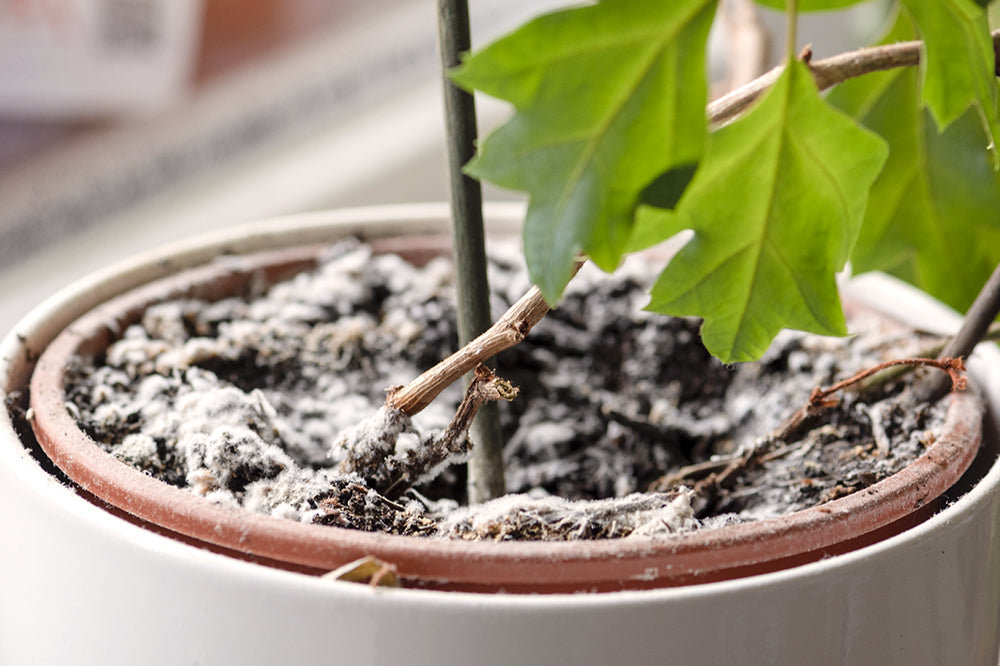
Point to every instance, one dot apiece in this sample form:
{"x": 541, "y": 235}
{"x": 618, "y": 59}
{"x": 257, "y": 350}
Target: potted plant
{"x": 53, "y": 517}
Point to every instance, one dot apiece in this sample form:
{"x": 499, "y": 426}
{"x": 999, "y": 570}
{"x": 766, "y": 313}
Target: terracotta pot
{"x": 883, "y": 509}
{"x": 71, "y": 570}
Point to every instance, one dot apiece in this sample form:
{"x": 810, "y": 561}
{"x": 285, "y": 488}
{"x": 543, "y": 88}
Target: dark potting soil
{"x": 621, "y": 429}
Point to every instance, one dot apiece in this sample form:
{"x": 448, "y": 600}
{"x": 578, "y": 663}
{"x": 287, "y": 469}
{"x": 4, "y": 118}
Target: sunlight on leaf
{"x": 776, "y": 208}
{"x": 608, "y": 97}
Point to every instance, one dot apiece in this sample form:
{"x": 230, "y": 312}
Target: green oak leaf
{"x": 959, "y": 67}
{"x": 608, "y": 97}
{"x": 775, "y": 208}
{"x": 934, "y": 213}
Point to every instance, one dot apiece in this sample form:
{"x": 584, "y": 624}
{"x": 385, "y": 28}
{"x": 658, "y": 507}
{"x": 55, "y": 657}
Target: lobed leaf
{"x": 932, "y": 218}
{"x": 608, "y": 97}
{"x": 776, "y": 208}
{"x": 959, "y": 68}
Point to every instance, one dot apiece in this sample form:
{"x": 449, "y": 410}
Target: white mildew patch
{"x": 247, "y": 401}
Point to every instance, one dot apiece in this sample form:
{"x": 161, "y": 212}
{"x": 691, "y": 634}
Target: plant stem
{"x": 484, "y": 389}
{"x": 486, "y": 472}
{"x": 819, "y": 400}
{"x": 877, "y": 382}
{"x": 827, "y": 72}
{"x": 791, "y": 28}
{"x": 509, "y": 330}
{"x": 980, "y": 315}
{"x": 955, "y": 368}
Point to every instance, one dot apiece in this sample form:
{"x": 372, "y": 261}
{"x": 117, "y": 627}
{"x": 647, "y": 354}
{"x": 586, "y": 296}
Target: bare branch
{"x": 509, "y": 330}
{"x": 452, "y": 444}
{"x": 975, "y": 327}
{"x": 827, "y": 72}
{"x": 955, "y": 368}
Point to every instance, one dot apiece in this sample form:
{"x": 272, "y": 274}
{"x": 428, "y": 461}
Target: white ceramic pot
{"x": 79, "y": 585}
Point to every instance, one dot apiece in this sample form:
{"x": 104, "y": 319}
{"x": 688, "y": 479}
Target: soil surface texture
{"x": 625, "y": 427}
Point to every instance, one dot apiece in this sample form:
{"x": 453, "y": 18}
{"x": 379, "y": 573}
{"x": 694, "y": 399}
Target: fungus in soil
{"x": 620, "y": 419}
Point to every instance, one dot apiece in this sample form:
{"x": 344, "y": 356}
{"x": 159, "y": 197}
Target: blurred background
{"x": 125, "y": 124}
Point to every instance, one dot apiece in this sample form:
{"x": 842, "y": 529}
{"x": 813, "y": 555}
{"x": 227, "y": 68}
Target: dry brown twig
{"x": 716, "y": 473}
{"x": 875, "y": 382}
{"x": 955, "y": 367}
{"x": 371, "y": 446}
{"x": 827, "y": 72}
{"x": 820, "y": 401}
{"x": 509, "y": 330}
{"x": 402, "y": 473}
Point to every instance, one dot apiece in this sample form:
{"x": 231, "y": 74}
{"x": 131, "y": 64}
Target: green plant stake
{"x": 486, "y": 474}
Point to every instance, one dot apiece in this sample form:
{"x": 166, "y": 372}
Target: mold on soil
{"x": 621, "y": 418}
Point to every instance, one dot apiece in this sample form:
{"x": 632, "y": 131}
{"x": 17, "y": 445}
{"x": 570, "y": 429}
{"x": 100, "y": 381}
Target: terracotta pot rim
{"x": 573, "y": 565}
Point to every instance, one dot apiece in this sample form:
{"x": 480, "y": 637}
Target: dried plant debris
{"x": 624, "y": 426}
{"x": 367, "y": 570}
{"x": 524, "y": 517}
